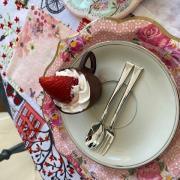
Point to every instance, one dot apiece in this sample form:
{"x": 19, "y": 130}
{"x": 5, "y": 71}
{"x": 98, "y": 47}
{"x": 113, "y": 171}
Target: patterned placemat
{"x": 144, "y": 32}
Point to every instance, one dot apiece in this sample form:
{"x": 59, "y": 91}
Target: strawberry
{"x": 59, "y": 87}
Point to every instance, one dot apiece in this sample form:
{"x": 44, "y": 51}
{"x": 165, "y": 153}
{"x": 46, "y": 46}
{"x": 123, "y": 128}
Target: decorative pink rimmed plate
{"x": 140, "y": 115}
{"x": 101, "y": 8}
{"x": 141, "y": 31}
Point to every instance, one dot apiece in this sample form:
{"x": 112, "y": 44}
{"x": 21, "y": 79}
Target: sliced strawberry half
{"x": 59, "y": 87}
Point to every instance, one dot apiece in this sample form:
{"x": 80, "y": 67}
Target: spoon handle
{"x": 135, "y": 75}
{"x": 127, "y": 69}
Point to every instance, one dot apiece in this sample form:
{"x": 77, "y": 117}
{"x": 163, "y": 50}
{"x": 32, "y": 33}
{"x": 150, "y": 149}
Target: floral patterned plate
{"x": 139, "y": 30}
{"x": 139, "y": 117}
{"x": 101, "y": 8}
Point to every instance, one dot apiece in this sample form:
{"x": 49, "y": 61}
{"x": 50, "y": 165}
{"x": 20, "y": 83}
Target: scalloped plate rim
{"x": 176, "y": 117}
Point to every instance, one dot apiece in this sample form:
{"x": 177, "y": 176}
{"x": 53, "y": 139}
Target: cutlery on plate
{"x": 97, "y": 131}
{"x": 109, "y": 132}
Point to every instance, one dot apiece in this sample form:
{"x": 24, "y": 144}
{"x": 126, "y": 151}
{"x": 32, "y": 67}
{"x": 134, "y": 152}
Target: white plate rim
{"x": 173, "y": 84}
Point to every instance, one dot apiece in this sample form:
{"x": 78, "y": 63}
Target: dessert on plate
{"x": 74, "y": 89}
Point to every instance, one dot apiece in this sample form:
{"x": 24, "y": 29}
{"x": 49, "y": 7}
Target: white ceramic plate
{"x": 149, "y": 118}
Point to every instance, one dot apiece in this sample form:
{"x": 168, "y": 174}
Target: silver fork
{"x": 97, "y": 131}
{"x": 109, "y": 132}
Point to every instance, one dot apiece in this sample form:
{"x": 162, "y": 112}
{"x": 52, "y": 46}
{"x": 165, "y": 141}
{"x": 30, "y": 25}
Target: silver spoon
{"x": 97, "y": 131}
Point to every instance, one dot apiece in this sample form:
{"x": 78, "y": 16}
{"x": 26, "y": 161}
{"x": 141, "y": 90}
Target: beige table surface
{"x": 166, "y": 12}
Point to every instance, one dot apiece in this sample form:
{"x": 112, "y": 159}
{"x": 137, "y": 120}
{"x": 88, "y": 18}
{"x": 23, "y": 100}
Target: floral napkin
{"x": 12, "y": 18}
{"x": 35, "y": 49}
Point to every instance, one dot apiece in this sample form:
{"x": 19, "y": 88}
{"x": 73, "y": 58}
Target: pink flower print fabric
{"x": 35, "y": 49}
{"x": 151, "y": 34}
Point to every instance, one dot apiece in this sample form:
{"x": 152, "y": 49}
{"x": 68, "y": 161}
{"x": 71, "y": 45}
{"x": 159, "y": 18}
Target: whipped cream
{"x": 81, "y": 92}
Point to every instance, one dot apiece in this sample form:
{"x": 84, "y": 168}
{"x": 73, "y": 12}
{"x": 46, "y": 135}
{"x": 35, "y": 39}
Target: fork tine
{"x": 105, "y": 144}
{"x": 100, "y": 148}
{"x": 108, "y": 145}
